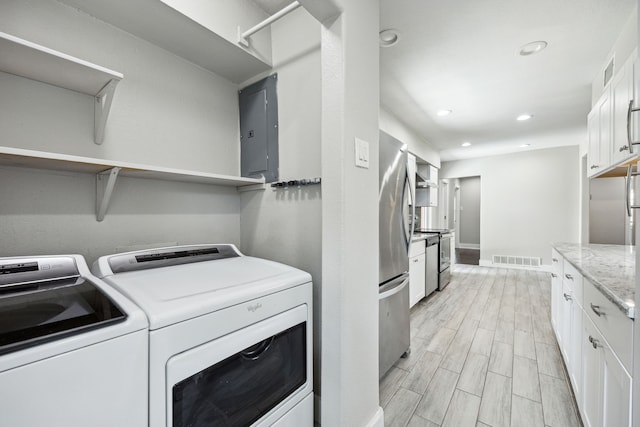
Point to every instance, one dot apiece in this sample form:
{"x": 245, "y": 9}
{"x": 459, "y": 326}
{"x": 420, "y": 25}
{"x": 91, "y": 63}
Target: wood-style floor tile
{"x": 557, "y": 403}
{"x": 474, "y": 373}
{"x": 483, "y": 354}
{"x": 399, "y": 409}
{"x": 525, "y": 378}
{"x": 525, "y": 412}
{"x": 501, "y": 360}
{"x": 495, "y": 408}
{"x": 435, "y": 402}
{"x": 463, "y": 410}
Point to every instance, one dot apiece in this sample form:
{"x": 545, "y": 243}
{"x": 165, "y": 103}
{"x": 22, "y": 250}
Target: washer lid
{"x": 45, "y": 299}
{"x": 176, "y": 293}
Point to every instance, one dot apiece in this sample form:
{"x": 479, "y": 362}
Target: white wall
{"x": 470, "y": 203}
{"x": 286, "y": 225}
{"x": 529, "y": 200}
{"x": 350, "y": 99}
{"x": 390, "y": 124}
{"x": 166, "y": 111}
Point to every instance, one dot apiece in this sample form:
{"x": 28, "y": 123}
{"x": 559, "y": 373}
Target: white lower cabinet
{"x": 594, "y": 347}
{"x": 417, "y": 272}
{"x": 606, "y": 394}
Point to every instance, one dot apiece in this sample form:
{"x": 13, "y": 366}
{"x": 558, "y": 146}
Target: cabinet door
{"x": 605, "y": 108}
{"x": 565, "y": 322}
{"x": 575, "y": 354}
{"x": 556, "y": 289}
{"x": 592, "y": 361}
{"x": 622, "y": 93}
{"x": 616, "y": 390}
{"x": 593, "y": 153}
{"x": 417, "y": 272}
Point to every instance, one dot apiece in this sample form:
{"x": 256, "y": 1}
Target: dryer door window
{"x": 242, "y": 388}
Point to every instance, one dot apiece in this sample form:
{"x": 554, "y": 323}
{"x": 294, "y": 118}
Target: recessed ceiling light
{"x": 466, "y": 144}
{"x": 389, "y": 37}
{"x": 533, "y": 47}
{"x": 524, "y": 145}
{"x": 523, "y": 117}
{"x": 444, "y": 112}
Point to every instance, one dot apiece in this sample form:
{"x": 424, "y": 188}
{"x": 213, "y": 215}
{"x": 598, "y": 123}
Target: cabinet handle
{"x": 594, "y": 166}
{"x": 596, "y": 309}
{"x": 593, "y": 341}
{"x": 568, "y": 276}
{"x": 624, "y": 148}
{"x": 554, "y": 275}
{"x": 567, "y": 297}
{"x": 415, "y": 260}
{"x": 554, "y": 259}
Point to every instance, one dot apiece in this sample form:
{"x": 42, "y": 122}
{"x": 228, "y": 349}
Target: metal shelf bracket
{"x": 101, "y": 109}
{"x": 105, "y": 181}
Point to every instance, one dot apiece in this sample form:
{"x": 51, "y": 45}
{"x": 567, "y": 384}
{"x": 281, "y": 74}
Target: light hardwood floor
{"x": 482, "y": 354}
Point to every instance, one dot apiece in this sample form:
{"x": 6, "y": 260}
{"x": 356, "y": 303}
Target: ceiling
{"x": 464, "y": 56}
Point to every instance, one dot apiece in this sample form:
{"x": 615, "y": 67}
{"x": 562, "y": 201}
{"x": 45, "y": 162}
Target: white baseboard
{"x": 378, "y": 419}
{"x": 468, "y": 246}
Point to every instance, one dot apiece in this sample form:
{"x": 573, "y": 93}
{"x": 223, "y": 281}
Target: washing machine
{"x": 230, "y": 336}
{"x": 73, "y": 351}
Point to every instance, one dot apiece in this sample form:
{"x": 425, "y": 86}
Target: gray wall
{"x": 286, "y": 225}
{"x": 529, "y": 200}
{"x": 470, "y": 212}
{"x": 166, "y": 112}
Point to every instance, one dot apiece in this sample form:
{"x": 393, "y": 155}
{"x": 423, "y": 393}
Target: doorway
{"x": 465, "y": 218}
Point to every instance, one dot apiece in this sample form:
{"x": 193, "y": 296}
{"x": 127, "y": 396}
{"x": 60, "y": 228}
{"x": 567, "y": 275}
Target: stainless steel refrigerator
{"x": 395, "y": 238}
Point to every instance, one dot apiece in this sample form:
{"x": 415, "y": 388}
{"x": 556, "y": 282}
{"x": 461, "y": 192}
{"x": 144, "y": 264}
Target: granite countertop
{"x": 611, "y": 269}
{"x": 419, "y": 236}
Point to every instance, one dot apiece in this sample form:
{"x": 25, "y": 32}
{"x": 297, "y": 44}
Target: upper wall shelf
{"x": 107, "y": 171}
{"x": 177, "y": 33}
{"x": 30, "y": 60}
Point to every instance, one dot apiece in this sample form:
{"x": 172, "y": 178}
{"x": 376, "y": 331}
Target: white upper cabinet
{"x": 622, "y": 88}
{"x": 599, "y": 124}
{"x": 612, "y": 124}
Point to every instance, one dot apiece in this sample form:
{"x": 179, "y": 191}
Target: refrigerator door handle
{"x": 393, "y": 287}
{"x": 407, "y": 233}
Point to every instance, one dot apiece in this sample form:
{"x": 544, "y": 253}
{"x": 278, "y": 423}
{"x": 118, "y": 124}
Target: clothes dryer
{"x": 230, "y": 335}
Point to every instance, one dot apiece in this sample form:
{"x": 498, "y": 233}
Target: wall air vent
{"x": 517, "y": 261}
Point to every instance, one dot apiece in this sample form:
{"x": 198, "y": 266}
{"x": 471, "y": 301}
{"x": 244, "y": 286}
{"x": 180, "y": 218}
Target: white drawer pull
{"x": 596, "y": 309}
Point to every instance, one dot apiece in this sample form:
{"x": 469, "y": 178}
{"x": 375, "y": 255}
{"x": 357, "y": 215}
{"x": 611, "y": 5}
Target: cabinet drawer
{"x": 572, "y": 278}
{"x": 616, "y": 328}
{"x": 417, "y": 248}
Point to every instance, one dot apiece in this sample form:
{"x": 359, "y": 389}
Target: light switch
{"x": 362, "y": 153}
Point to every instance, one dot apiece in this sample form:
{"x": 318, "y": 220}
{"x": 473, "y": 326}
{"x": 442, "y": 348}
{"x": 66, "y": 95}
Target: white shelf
{"x": 177, "y": 33}
{"x": 107, "y": 171}
{"x": 35, "y": 62}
